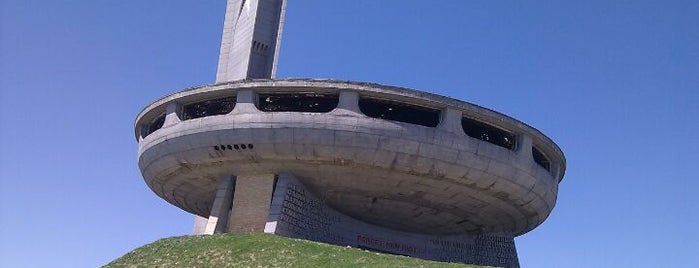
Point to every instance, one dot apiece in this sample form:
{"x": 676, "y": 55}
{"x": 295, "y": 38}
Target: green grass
{"x": 259, "y": 250}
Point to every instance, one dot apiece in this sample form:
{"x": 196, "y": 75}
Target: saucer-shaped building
{"x": 378, "y": 167}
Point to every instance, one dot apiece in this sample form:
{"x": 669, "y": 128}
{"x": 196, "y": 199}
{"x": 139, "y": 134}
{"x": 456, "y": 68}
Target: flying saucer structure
{"x": 373, "y": 166}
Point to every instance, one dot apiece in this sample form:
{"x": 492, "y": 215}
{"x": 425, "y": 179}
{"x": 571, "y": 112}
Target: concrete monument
{"x": 379, "y": 167}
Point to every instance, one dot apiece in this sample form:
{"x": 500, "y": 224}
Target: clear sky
{"x": 614, "y": 83}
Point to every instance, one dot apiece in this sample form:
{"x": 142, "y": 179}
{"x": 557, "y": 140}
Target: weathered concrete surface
{"x": 393, "y": 174}
{"x": 220, "y": 210}
{"x": 253, "y": 195}
{"x": 431, "y": 192}
{"x": 297, "y": 212}
{"x": 251, "y": 38}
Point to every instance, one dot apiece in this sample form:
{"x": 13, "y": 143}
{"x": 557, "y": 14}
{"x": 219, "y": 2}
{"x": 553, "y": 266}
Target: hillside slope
{"x": 259, "y": 250}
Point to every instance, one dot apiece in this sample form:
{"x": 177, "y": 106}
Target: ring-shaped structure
{"x": 400, "y": 175}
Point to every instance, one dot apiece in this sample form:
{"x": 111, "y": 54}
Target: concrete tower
{"x": 252, "y": 33}
{"x": 349, "y": 163}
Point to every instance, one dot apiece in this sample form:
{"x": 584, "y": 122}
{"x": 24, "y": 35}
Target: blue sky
{"x": 614, "y": 83}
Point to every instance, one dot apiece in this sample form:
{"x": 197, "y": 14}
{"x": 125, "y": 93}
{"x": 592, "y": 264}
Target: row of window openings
{"x": 375, "y": 108}
{"x": 259, "y": 47}
{"x": 236, "y": 147}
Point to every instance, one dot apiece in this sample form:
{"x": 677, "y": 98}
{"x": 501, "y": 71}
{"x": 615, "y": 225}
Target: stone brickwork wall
{"x": 298, "y": 213}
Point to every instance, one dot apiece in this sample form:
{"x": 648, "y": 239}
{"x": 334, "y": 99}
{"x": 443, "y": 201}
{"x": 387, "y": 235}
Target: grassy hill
{"x": 259, "y": 250}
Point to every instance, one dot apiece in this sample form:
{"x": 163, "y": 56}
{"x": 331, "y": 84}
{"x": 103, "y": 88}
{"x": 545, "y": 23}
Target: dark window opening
{"x": 486, "y": 132}
{"x": 541, "y": 159}
{"x": 259, "y": 47}
{"x": 223, "y": 147}
{"x": 401, "y": 112}
{"x": 208, "y": 108}
{"x": 297, "y": 102}
{"x": 156, "y": 124}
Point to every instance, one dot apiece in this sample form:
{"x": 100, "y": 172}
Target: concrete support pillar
{"x": 220, "y": 209}
{"x": 524, "y": 148}
{"x": 245, "y": 102}
{"x": 246, "y": 96}
{"x": 199, "y": 225}
{"x": 253, "y": 196}
{"x": 278, "y": 196}
{"x": 451, "y": 121}
{"x": 171, "y": 117}
{"x": 349, "y": 102}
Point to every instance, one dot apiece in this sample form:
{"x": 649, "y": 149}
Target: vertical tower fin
{"x": 251, "y": 37}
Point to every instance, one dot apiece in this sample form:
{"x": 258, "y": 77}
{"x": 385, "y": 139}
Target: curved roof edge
{"x": 425, "y": 97}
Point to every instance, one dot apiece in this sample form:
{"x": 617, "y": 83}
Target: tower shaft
{"x": 251, "y": 37}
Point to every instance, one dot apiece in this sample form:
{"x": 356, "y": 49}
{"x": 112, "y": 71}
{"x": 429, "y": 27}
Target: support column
{"x": 451, "y": 121}
{"x": 219, "y": 210}
{"x": 245, "y": 102}
{"x": 524, "y": 148}
{"x": 278, "y": 196}
{"x": 253, "y": 196}
{"x": 349, "y": 101}
{"x": 171, "y": 117}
